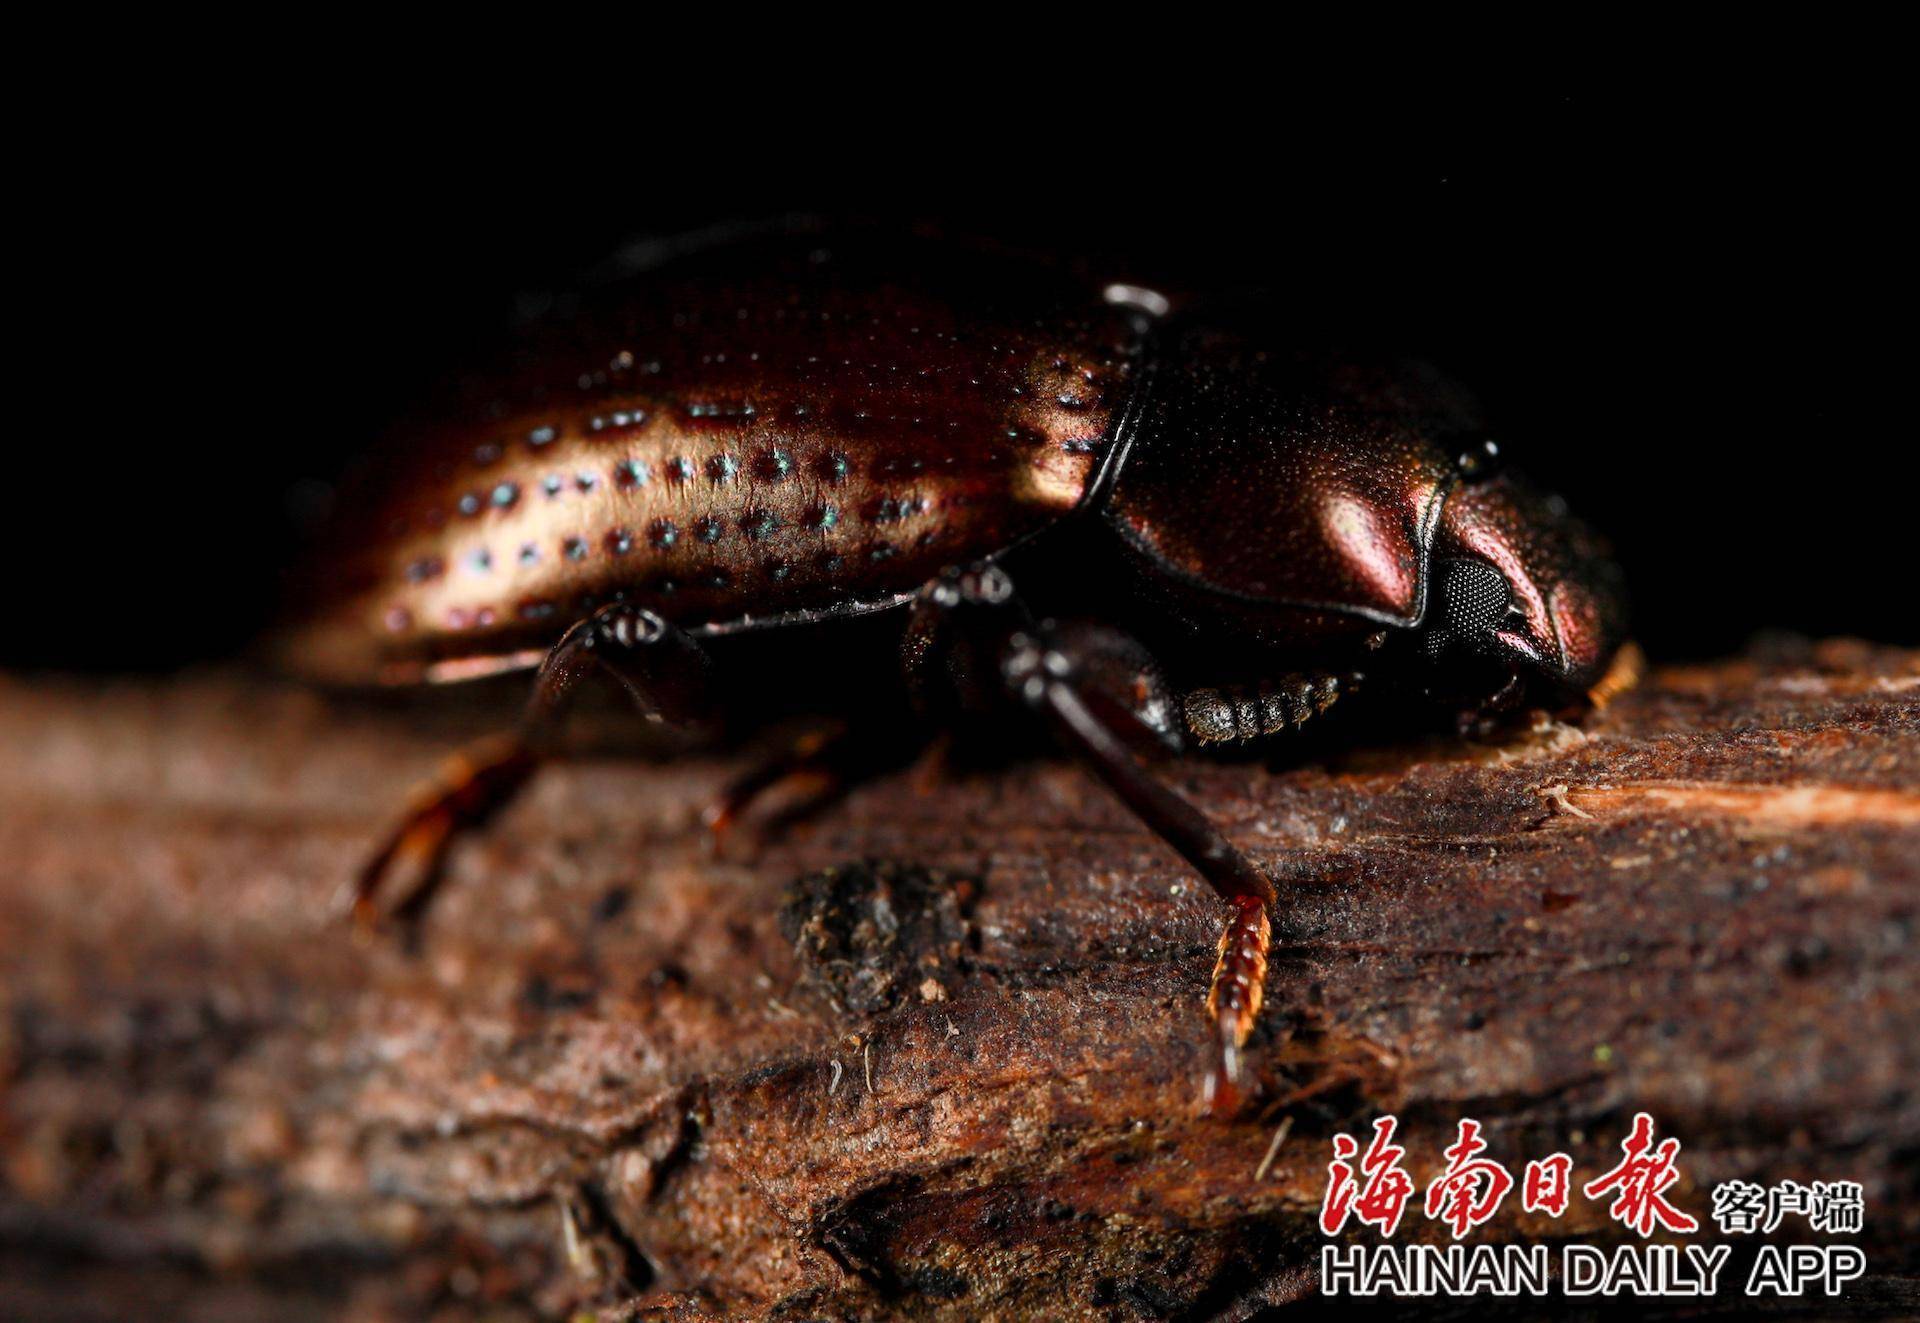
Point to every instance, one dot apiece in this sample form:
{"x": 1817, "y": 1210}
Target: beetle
{"x": 1155, "y": 525}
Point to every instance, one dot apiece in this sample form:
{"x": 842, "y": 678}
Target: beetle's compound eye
{"x": 1479, "y": 458}
{"x": 1470, "y": 600}
{"x": 1474, "y": 597}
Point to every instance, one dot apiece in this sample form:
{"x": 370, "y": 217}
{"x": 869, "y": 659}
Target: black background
{"x": 1688, "y": 311}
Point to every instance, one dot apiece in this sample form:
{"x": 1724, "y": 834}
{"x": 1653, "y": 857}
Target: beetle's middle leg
{"x": 663, "y": 669}
{"x": 827, "y": 760}
{"x": 1069, "y": 680}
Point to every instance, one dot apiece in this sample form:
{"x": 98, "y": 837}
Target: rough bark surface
{"x": 935, "y": 1052}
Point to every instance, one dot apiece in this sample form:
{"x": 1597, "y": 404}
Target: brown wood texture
{"x": 955, "y": 1075}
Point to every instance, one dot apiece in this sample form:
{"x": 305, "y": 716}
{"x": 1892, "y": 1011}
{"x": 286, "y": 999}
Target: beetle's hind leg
{"x": 828, "y": 760}
{"x": 663, "y": 669}
{"x": 1067, "y": 677}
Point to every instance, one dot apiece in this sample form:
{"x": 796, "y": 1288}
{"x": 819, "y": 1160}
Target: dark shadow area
{"x": 1682, "y": 327}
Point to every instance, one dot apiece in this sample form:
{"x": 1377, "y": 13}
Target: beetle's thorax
{"x": 1287, "y": 497}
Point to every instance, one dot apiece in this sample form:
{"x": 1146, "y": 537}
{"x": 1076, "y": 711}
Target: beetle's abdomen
{"x": 721, "y": 452}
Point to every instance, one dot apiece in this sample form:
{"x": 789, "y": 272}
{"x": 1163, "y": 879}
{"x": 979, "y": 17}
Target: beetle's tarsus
{"x": 1220, "y": 1088}
{"x": 826, "y": 761}
{"x": 1628, "y": 669}
{"x": 475, "y": 784}
{"x": 1234, "y": 998}
{"x": 811, "y": 751}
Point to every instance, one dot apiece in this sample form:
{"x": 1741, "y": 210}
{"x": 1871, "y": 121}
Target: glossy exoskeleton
{"x": 1154, "y": 527}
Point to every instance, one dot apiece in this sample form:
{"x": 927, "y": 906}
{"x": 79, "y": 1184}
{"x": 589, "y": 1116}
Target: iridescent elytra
{"x": 1150, "y": 524}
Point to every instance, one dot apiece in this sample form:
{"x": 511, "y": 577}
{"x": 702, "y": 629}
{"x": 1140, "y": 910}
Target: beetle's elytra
{"x": 771, "y": 434}
{"x": 1155, "y": 526}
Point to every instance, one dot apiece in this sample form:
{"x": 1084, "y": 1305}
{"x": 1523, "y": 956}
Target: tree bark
{"x": 934, "y": 1052}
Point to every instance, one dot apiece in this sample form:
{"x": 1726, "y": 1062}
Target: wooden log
{"x": 934, "y": 1053}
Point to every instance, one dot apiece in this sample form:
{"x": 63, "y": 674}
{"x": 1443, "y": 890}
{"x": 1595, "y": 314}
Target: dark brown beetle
{"x": 784, "y": 436}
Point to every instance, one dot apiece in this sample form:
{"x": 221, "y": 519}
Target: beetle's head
{"x": 1302, "y": 502}
{"x": 1522, "y": 595}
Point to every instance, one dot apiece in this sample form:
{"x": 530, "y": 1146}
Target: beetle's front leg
{"x": 1068, "y": 680}
{"x": 663, "y": 669}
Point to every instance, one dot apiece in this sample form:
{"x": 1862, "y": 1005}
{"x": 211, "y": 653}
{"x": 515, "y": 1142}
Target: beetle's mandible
{"x": 1149, "y": 525}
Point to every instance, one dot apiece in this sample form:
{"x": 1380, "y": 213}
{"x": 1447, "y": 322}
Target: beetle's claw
{"x": 717, "y": 821}
{"x": 720, "y": 820}
{"x": 364, "y": 914}
{"x": 1219, "y": 1094}
{"x": 808, "y": 755}
{"x": 1222, "y": 1089}
{"x": 417, "y": 849}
